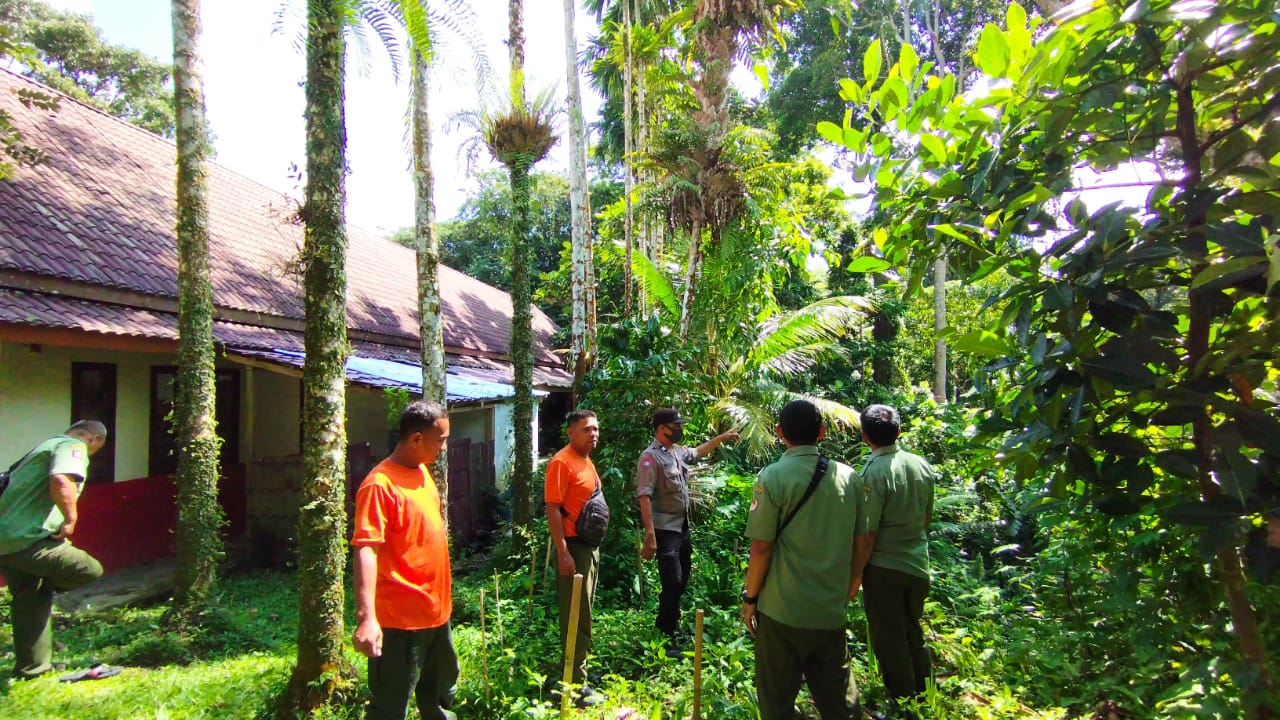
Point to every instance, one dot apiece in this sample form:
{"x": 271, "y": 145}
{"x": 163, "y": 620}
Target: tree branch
{"x": 1268, "y": 108}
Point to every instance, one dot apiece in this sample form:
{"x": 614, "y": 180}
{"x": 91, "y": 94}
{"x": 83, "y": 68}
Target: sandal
{"x": 97, "y": 672}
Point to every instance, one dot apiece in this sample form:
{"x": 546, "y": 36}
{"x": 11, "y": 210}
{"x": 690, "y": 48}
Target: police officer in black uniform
{"x": 662, "y": 489}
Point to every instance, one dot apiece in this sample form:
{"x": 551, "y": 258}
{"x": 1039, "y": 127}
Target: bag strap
{"x": 819, "y": 472}
{"x": 22, "y": 459}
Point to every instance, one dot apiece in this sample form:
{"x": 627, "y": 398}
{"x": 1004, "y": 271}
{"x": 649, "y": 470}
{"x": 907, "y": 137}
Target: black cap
{"x": 668, "y": 415}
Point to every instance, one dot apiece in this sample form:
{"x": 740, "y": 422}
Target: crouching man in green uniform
{"x": 801, "y": 524}
{"x": 37, "y": 517}
{"x": 892, "y": 560}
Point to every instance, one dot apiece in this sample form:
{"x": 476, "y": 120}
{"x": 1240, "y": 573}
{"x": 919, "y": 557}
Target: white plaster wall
{"x": 35, "y": 400}
{"x": 504, "y": 440}
{"x": 277, "y": 414}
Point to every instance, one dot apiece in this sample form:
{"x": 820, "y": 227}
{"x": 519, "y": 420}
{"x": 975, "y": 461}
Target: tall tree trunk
{"x": 322, "y": 517}
{"x": 939, "y": 326}
{"x": 690, "y": 279}
{"x": 521, "y": 343}
{"x": 199, "y": 515}
{"x": 579, "y": 207}
{"x": 628, "y": 164}
{"x": 1202, "y": 306}
{"x": 515, "y": 44}
{"x": 427, "y": 245}
{"x": 521, "y": 349}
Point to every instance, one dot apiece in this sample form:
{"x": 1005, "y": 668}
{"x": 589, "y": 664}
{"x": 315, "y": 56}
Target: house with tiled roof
{"x": 88, "y": 329}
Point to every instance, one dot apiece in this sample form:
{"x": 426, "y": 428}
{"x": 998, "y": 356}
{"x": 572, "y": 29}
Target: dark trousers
{"x": 418, "y": 663}
{"x": 587, "y": 560}
{"x": 786, "y": 656}
{"x": 894, "y": 602}
{"x": 675, "y": 560}
{"x": 34, "y": 575}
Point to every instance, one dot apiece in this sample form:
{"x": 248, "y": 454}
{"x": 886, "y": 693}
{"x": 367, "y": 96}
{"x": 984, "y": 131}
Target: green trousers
{"x": 414, "y": 663}
{"x": 587, "y": 560}
{"x": 894, "y": 602}
{"x": 787, "y": 656}
{"x": 34, "y": 575}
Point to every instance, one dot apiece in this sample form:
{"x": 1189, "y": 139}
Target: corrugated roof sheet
{"x": 460, "y": 385}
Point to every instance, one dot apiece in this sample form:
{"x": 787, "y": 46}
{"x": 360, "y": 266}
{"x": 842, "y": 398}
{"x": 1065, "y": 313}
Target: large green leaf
{"x": 872, "y": 60}
{"x": 981, "y": 342}
{"x": 992, "y": 56}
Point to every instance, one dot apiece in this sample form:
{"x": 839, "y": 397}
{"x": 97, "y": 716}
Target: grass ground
{"x": 241, "y": 655}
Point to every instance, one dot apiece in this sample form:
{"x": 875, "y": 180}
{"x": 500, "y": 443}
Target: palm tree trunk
{"x": 521, "y": 350}
{"x": 515, "y": 17}
{"x": 628, "y": 182}
{"x": 690, "y": 279}
{"x": 521, "y": 344}
{"x": 322, "y": 518}
{"x": 199, "y": 515}
{"x": 579, "y": 206}
{"x": 427, "y": 245}
{"x": 939, "y": 326}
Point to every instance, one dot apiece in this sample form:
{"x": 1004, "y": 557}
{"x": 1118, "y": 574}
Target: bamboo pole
{"x": 546, "y": 563}
{"x": 697, "y": 666}
{"x": 533, "y": 577}
{"x": 484, "y": 650}
{"x": 497, "y": 608}
{"x": 570, "y": 643}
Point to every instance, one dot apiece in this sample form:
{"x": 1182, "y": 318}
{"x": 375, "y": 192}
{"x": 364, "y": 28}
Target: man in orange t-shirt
{"x": 571, "y": 479}
{"x": 403, "y": 584}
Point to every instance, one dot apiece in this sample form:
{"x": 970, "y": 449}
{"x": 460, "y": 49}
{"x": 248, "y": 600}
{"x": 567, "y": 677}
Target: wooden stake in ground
{"x": 546, "y": 563}
{"x": 497, "y": 608}
{"x": 697, "y": 666}
{"x": 484, "y": 650}
{"x": 640, "y": 564}
{"x": 570, "y": 643}
{"x": 533, "y": 576}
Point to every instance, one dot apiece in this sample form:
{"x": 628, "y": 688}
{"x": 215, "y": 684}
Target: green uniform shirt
{"x": 808, "y": 581}
{"x": 898, "y": 487}
{"x": 27, "y": 512}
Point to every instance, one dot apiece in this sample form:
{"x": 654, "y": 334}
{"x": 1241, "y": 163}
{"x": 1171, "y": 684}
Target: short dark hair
{"x": 420, "y": 416}
{"x": 801, "y": 422}
{"x": 578, "y": 416}
{"x": 881, "y": 424}
{"x": 91, "y": 427}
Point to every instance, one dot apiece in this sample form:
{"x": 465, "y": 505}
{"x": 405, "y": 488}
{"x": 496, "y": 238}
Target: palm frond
{"x": 655, "y": 285}
{"x": 796, "y": 360}
{"x": 826, "y": 320}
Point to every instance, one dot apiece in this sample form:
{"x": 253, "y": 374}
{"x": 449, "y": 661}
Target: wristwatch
{"x": 749, "y": 599}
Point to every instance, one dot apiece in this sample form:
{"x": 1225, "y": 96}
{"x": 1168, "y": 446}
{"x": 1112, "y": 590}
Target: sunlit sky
{"x": 254, "y": 97}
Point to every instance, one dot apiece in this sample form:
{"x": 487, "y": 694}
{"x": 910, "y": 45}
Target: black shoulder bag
{"x": 593, "y": 519}
{"x": 819, "y": 472}
{"x": 4, "y": 476}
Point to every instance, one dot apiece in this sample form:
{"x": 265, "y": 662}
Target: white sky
{"x": 254, "y": 97}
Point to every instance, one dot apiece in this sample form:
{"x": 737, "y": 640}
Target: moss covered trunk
{"x": 522, "y": 347}
{"x": 322, "y": 519}
{"x": 427, "y": 245}
{"x": 582, "y": 290}
{"x": 199, "y": 541}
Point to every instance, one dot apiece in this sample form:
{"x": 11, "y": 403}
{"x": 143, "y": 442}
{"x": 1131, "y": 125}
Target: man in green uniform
{"x": 662, "y": 490}
{"x": 892, "y": 562}
{"x": 37, "y": 518}
{"x": 798, "y": 578}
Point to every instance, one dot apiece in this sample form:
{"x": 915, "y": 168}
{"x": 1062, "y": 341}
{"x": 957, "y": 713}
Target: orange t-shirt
{"x": 398, "y": 512}
{"x": 571, "y": 479}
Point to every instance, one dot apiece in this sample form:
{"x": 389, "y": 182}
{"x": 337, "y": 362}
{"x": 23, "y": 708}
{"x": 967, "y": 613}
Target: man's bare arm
{"x": 368, "y": 637}
{"x": 64, "y": 490}
{"x": 555, "y": 522}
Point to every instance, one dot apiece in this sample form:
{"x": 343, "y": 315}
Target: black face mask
{"x": 677, "y": 433}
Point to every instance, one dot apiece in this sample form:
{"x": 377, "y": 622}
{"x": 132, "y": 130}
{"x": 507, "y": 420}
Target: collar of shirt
{"x": 884, "y": 450}
{"x": 801, "y": 450}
